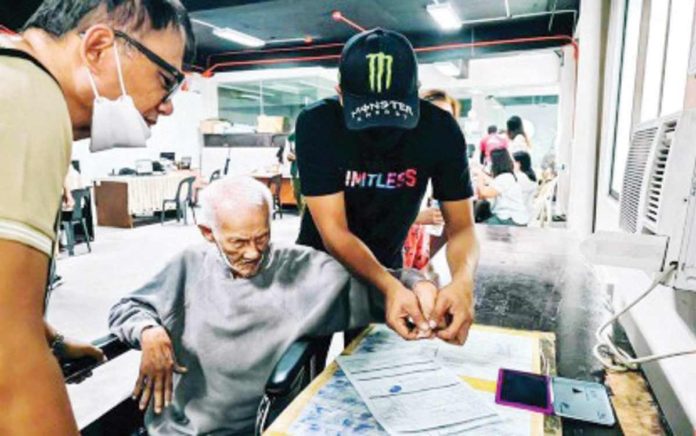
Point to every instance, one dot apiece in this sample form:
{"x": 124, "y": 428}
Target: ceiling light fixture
{"x": 447, "y": 68}
{"x": 238, "y": 37}
{"x": 445, "y": 16}
{"x": 232, "y": 35}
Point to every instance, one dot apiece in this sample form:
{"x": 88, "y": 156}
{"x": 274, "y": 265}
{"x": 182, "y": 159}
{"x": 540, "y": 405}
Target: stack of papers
{"x": 409, "y": 393}
{"x": 338, "y": 408}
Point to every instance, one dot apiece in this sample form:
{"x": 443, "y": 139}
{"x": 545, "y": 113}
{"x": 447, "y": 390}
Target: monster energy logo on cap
{"x": 380, "y": 63}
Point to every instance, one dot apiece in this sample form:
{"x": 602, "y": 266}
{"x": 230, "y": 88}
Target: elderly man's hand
{"x": 401, "y": 307}
{"x": 157, "y": 366}
{"x": 454, "y": 306}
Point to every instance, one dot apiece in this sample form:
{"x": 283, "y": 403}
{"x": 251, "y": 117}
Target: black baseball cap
{"x": 378, "y": 74}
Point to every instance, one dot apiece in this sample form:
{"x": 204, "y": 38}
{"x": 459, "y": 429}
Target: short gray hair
{"x": 232, "y": 193}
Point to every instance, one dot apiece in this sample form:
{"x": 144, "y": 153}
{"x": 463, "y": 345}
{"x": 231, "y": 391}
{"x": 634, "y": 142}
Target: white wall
{"x": 243, "y": 160}
{"x": 518, "y": 70}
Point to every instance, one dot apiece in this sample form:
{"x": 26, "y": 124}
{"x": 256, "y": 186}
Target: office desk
{"x": 537, "y": 279}
{"x": 331, "y": 406}
{"x": 287, "y": 195}
{"x": 119, "y": 198}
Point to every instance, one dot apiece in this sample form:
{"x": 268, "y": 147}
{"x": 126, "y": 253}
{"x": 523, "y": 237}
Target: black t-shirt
{"x": 383, "y": 175}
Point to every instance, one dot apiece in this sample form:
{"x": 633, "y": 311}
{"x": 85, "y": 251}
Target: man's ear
{"x": 207, "y": 233}
{"x": 94, "y": 50}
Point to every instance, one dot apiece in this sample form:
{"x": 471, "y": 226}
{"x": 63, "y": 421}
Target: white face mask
{"x": 116, "y": 123}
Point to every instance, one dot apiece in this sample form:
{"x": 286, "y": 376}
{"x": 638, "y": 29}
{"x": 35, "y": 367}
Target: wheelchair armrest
{"x": 76, "y": 370}
{"x": 289, "y": 367}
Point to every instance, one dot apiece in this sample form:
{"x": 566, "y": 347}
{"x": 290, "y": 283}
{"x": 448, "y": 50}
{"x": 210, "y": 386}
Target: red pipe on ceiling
{"x": 338, "y": 16}
{"x": 274, "y": 50}
{"x": 208, "y": 72}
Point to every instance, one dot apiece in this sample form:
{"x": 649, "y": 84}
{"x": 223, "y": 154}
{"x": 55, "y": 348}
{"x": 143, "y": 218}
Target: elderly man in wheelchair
{"x": 220, "y": 317}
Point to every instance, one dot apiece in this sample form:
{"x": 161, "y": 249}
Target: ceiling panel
{"x": 274, "y": 20}
{"x": 282, "y": 19}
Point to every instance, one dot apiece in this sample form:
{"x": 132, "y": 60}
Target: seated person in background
{"x": 504, "y": 191}
{"x": 526, "y": 177}
{"x": 492, "y": 141}
{"x": 221, "y": 315}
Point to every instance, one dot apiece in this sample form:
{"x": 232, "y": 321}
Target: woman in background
{"x": 503, "y": 191}
{"x": 519, "y": 141}
{"x": 526, "y": 177}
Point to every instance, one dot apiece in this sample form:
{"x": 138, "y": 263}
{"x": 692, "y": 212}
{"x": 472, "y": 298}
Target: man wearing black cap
{"x": 365, "y": 158}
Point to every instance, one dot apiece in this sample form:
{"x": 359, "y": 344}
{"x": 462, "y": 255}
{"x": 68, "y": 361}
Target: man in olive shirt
{"x": 70, "y": 53}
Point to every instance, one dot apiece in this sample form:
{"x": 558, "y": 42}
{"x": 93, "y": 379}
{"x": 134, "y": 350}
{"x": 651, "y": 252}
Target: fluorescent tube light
{"x": 447, "y": 68}
{"x": 445, "y": 16}
{"x": 238, "y": 37}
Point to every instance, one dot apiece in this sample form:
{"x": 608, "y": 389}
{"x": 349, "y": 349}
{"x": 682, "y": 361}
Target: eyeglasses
{"x": 173, "y": 77}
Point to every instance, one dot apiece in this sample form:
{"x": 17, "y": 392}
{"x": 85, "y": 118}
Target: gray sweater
{"x": 230, "y": 332}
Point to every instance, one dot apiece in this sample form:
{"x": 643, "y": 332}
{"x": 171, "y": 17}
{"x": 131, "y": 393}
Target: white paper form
{"x": 409, "y": 393}
{"x": 337, "y": 408}
{"x": 481, "y": 356}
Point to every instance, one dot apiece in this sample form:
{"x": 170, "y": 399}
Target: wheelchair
{"x": 293, "y": 372}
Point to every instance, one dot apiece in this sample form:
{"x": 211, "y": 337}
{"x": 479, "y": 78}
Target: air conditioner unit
{"x": 659, "y": 196}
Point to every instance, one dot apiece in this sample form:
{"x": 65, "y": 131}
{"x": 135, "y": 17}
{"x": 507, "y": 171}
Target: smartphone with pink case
{"x": 524, "y": 390}
{"x": 575, "y": 399}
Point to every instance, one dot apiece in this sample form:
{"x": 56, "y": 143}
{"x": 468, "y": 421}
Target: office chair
{"x": 180, "y": 201}
{"x": 77, "y": 217}
{"x": 275, "y": 184}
